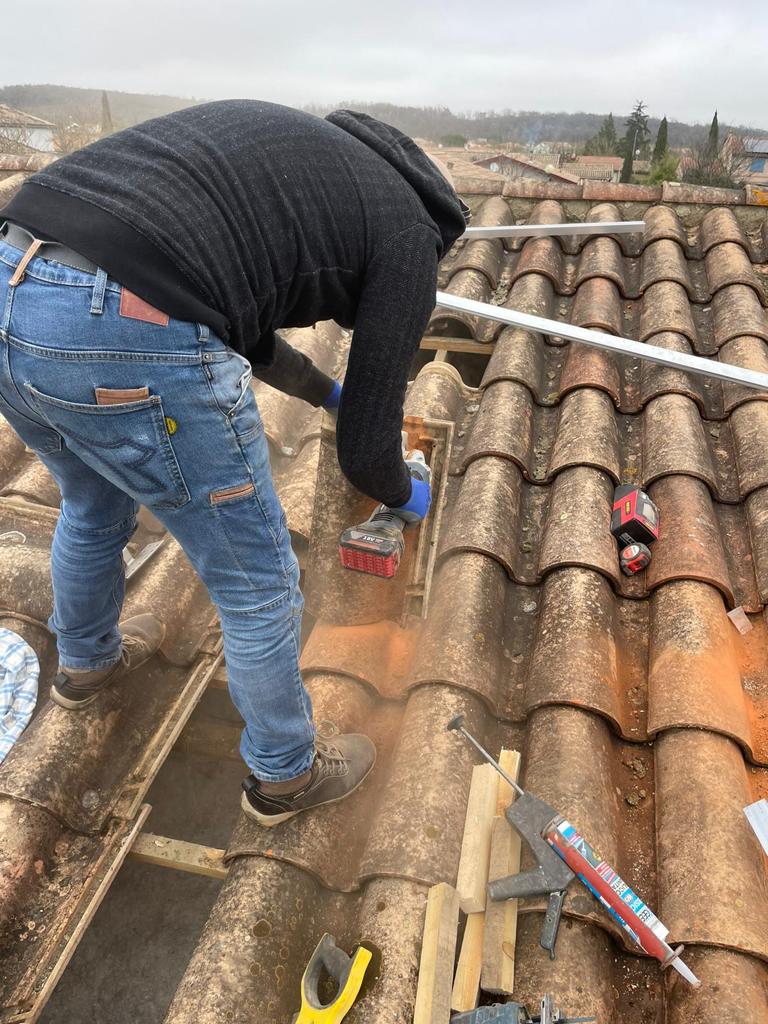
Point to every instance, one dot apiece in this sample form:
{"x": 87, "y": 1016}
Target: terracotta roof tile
{"x": 679, "y": 192}
{"x": 602, "y": 257}
{"x": 662, "y": 222}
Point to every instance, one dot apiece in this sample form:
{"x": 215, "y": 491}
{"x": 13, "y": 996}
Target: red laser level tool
{"x": 376, "y": 546}
{"x": 635, "y": 518}
{"x": 634, "y": 558}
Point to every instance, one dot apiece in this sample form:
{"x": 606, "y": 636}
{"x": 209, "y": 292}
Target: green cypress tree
{"x": 713, "y": 142}
{"x": 660, "y": 149}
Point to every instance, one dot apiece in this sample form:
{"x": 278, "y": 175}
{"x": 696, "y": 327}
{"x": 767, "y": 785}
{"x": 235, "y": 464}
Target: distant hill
{"x": 523, "y": 126}
{"x": 60, "y": 102}
{"x": 64, "y": 103}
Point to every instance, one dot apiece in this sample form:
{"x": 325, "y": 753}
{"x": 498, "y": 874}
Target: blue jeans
{"x": 125, "y": 411}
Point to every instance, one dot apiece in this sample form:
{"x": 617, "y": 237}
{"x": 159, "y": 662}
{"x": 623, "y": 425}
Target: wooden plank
{"x": 476, "y": 844}
{"x": 466, "y": 984}
{"x": 438, "y": 343}
{"x": 174, "y": 853}
{"x": 510, "y": 762}
{"x": 500, "y": 932}
{"x": 438, "y": 950}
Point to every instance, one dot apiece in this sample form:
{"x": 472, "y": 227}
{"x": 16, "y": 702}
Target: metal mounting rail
{"x": 609, "y": 342}
{"x": 618, "y": 227}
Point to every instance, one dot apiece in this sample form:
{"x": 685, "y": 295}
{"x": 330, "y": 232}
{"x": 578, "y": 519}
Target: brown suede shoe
{"x": 339, "y": 767}
{"x": 142, "y": 636}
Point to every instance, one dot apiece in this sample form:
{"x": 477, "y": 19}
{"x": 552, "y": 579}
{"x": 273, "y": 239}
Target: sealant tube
{"x": 621, "y": 902}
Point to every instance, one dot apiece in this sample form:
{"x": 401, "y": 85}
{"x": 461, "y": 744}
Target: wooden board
{"x": 466, "y": 984}
{"x": 476, "y": 844}
{"x": 500, "y": 932}
{"x": 435, "y": 342}
{"x": 174, "y": 853}
{"x": 510, "y": 762}
{"x": 438, "y": 951}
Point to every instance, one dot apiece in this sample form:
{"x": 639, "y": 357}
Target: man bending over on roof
{"x": 183, "y": 244}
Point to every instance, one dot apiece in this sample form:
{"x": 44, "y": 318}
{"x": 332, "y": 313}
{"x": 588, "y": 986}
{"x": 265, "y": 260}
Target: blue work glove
{"x": 417, "y": 506}
{"x": 331, "y": 404}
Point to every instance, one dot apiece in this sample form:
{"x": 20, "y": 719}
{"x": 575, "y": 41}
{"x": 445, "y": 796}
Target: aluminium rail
{"x": 609, "y": 342}
{"x": 619, "y": 227}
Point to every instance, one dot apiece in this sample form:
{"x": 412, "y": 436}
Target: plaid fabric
{"x": 19, "y": 669}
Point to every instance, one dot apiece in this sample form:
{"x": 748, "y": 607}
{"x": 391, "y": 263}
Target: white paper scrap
{"x": 757, "y": 816}
{"x": 740, "y": 619}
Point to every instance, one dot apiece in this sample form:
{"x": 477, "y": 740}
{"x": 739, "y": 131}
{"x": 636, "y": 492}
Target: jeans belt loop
{"x": 203, "y": 333}
{"x": 18, "y": 274}
{"x": 99, "y": 290}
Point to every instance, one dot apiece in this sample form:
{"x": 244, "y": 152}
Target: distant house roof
{"x": 756, "y": 145}
{"x": 590, "y": 172}
{"x": 10, "y": 118}
{"x": 555, "y": 175}
{"x": 602, "y": 168}
{"x": 461, "y": 167}
{"x": 472, "y": 168}
{"x": 614, "y": 162}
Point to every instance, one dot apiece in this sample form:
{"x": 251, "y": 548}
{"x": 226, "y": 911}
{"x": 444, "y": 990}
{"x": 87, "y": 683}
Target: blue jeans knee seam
{"x": 107, "y": 531}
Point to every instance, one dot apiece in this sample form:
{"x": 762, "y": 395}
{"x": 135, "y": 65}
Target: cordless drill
{"x": 376, "y": 546}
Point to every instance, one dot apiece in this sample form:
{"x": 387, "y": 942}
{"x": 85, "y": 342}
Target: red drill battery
{"x": 635, "y": 518}
{"x": 634, "y": 558}
{"x": 375, "y": 546}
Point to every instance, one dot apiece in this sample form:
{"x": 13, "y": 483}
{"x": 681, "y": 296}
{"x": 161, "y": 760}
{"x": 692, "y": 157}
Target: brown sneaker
{"x": 142, "y": 636}
{"x": 340, "y": 766}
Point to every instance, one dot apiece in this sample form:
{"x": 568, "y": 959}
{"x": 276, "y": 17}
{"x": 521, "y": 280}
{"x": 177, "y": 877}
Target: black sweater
{"x": 249, "y": 217}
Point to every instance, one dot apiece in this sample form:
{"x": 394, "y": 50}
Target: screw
{"x": 457, "y": 724}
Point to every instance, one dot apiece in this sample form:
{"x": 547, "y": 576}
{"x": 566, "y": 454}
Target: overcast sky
{"x": 683, "y": 58}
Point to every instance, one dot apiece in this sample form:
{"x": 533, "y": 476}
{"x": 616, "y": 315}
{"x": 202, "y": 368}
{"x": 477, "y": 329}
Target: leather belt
{"x": 20, "y": 238}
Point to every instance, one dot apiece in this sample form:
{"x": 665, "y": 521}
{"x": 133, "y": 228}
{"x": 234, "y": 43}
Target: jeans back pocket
{"x": 127, "y": 443}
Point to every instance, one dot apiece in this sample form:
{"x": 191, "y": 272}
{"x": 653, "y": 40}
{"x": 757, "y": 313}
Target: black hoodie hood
{"x": 442, "y": 203}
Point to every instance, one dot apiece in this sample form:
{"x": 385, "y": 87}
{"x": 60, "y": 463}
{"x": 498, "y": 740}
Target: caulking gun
{"x": 563, "y": 854}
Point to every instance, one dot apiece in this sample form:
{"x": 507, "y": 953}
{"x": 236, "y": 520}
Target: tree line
{"x": 707, "y": 160}
{"x": 79, "y": 115}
